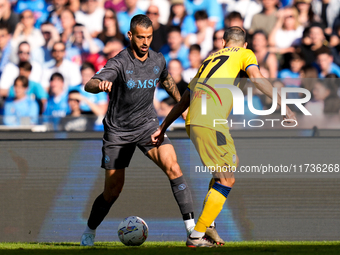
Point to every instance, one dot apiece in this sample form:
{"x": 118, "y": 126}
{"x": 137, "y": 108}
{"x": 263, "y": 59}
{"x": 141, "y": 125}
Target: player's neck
{"x": 141, "y": 58}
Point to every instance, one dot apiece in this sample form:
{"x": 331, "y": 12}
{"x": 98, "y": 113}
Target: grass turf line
{"x": 165, "y": 248}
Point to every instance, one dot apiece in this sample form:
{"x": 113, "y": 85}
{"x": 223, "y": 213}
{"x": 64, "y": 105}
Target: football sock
{"x": 99, "y": 210}
{"x": 196, "y": 234}
{"x": 183, "y": 197}
{"x": 89, "y": 231}
{"x": 212, "y": 206}
{"x": 189, "y": 225}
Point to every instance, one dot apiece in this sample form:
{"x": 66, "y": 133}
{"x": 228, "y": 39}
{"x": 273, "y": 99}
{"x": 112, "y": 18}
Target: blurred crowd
{"x": 50, "y": 49}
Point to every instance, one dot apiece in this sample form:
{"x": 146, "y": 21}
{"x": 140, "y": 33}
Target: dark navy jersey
{"x": 131, "y": 97}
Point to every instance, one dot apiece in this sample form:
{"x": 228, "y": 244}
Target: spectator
{"x": 306, "y": 14}
{"x": 82, "y": 45}
{"x": 7, "y": 16}
{"x": 204, "y": 34}
{"x": 11, "y": 70}
{"x": 217, "y": 41}
{"x": 178, "y": 17}
{"x": 265, "y": 20}
{"x": 233, "y": 19}
{"x": 265, "y": 59}
{"x": 308, "y": 75}
{"x": 175, "y": 69}
{"x": 57, "y": 106}
{"x": 328, "y": 10}
{"x": 126, "y": 16}
{"x": 67, "y": 20}
{"x": 175, "y": 47}
{"x": 112, "y": 48}
{"x": 293, "y": 73}
{"x": 35, "y": 90}
{"x": 325, "y": 99}
{"x": 91, "y": 103}
{"x": 25, "y": 31}
{"x": 115, "y": 5}
{"x": 213, "y": 9}
{"x": 111, "y": 28}
{"x": 38, "y": 7}
{"x": 54, "y": 15}
{"x": 91, "y": 17}
{"x": 246, "y": 8}
{"x": 195, "y": 63}
{"x": 324, "y": 59}
{"x": 159, "y": 30}
{"x": 287, "y": 31}
{"x": 43, "y": 55}
{"x": 317, "y": 41}
{"x": 75, "y": 120}
{"x": 336, "y": 45}
{"x": 20, "y": 110}
{"x": 70, "y": 71}
{"x": 5, "y": 48}
{"x": 164, "y": 109}
{"x": 73, "y": 5}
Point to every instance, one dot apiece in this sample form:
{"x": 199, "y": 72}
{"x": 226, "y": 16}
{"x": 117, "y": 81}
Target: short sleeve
{"x": 164, "y": 73}
{"x": 248, "y": 59}
{"x": 109, "y": 72}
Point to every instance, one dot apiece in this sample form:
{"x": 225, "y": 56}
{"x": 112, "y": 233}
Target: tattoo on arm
{"x": 170, "y": 86}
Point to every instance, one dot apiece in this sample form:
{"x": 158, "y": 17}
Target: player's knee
{"x": 174, "y": 170}
{"x": 113, "y": 192}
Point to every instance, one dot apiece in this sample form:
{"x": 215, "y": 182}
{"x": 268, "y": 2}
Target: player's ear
{"x": 130, "y": 35}
{"x": 245, "y": 45}
{"x": 224, "y": 43}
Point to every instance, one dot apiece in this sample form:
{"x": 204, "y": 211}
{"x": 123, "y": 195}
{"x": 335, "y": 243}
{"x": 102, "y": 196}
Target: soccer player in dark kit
{"x": 130, "y": 78}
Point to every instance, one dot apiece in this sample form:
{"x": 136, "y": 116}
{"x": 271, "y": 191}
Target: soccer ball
{"x": 133, "y": 231}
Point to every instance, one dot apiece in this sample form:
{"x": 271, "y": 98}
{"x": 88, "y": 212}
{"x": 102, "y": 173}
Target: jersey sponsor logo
{"x": 147, "y": 83}
{"x": 209, "y": 93}
{"x": 129, "y": 71}
{"x": 156, "y": 69}
{"x": 131, "y": 84}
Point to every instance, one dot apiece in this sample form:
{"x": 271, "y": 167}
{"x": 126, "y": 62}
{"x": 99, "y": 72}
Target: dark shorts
{"x": 117, "y": 152}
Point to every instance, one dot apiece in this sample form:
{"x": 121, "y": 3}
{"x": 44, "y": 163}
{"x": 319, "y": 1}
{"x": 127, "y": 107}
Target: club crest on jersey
{"x": 129, "y": 71}
{"x": 131, "y": 84}
{"x": 156, "y": 69}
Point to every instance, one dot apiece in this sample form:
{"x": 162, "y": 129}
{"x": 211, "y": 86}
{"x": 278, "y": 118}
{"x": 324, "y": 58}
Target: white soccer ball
{"x": 133, "y": 231}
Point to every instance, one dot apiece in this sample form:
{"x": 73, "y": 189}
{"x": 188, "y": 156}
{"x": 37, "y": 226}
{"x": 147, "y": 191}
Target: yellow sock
{"x": 213, "y": 204}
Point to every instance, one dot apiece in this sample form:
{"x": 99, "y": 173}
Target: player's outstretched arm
{"x": 95, "y": 86}
{"x": 170, "y": 86}
{"x": 266, "y": 87}
{"x": 158, "y": 137}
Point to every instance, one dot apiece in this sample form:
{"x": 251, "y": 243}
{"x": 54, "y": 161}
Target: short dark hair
{"x": 4, "y": 26}
{"x": 23, "y": 79}
{"x": 86, "y": 65}
{"x": 323, "y": 50}
{"x": 174, "y": 29}
{"x": 194, "y": 47}
{"x": 25, "y": 65}
{"x": 24, "y": 42}
{"x": 57, "y": 76}
{"x": 201, "y": 15}
{"x": 235, "y": 34}
{"x": 234, "y": 15}
{"x": 140, "y": 20}
{"x": 73, "y": 91}
{"x": 59, "y": 42}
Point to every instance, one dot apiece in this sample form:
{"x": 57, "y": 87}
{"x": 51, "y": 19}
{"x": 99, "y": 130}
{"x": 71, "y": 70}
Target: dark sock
{"x": 100, "y": 209}
{"x": 183, "y": 197}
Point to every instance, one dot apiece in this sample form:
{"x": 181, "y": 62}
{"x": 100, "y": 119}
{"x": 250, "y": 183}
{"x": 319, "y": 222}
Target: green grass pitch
{"x": 165, "y": 248}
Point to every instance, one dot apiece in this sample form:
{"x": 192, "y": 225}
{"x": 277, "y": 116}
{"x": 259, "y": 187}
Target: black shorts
{"x": 117, "y": 152}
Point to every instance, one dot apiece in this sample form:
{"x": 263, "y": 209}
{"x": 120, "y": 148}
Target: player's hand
{"x": 157, "y": 138}
{"x": 105, "y": 86}
{"x": 184, "y": 114}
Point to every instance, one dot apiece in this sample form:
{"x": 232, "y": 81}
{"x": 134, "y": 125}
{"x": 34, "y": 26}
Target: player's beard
{"x": 138, "y": 50}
